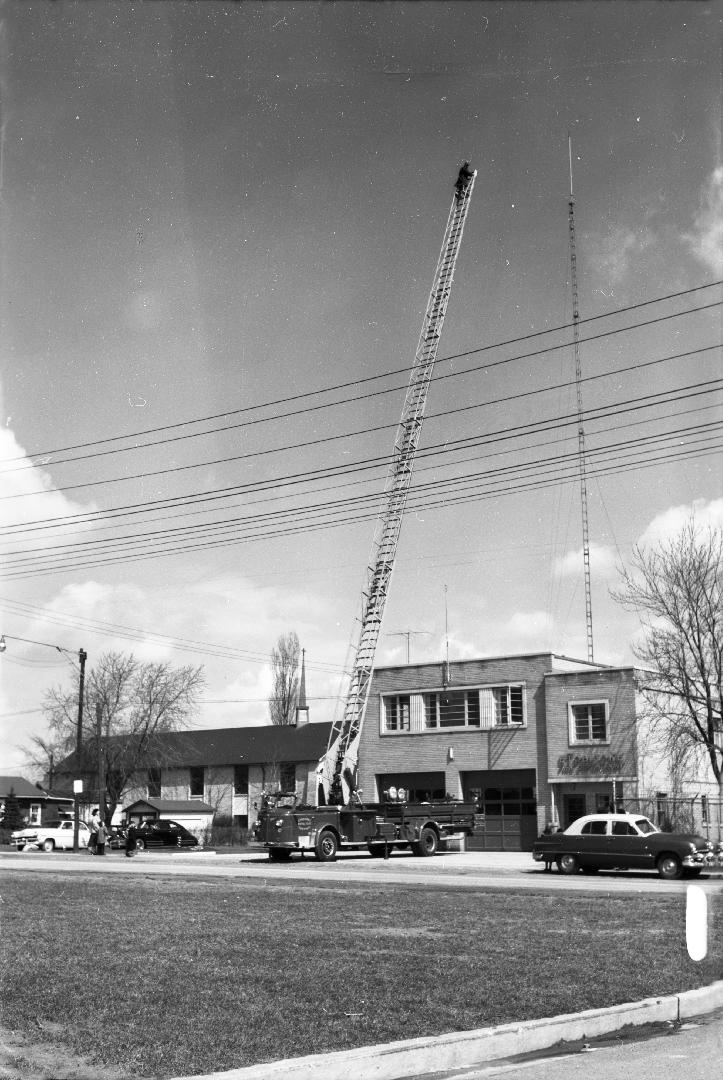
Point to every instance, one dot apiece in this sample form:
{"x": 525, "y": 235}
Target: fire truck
{"x": 340, "y": 819}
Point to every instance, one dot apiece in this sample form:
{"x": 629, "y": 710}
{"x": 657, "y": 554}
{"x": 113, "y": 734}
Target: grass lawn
{"x": 164, "y": 977}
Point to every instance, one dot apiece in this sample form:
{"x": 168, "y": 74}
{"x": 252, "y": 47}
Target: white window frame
{"x": 385, "y": 717}
{"x": 572, "y": 730}
{"x": 436, "y": 693}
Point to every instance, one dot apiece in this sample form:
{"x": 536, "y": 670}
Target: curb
{"x": 466, "y": 1049}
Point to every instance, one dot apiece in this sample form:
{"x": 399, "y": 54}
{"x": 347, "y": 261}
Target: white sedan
{"x": 54, "y": 834}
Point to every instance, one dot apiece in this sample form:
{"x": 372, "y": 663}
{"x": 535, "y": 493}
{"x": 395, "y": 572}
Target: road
{"x": 476, "y": 870}
{"x": 693, "y": 1050}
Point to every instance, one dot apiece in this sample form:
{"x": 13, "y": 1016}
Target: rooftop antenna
{"x": 407, "y": 634}
{"x": 580, "y": 412}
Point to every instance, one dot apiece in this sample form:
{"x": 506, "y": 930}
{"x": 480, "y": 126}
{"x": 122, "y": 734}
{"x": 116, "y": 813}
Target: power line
{"x": 353, "y": 400}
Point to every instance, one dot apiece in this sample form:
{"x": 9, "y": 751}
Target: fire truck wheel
{"x": 326, "y": 846}
{"x": 428, "y": 841}
{"x": 279, "y": 854}
{"x": 376, "y": 850}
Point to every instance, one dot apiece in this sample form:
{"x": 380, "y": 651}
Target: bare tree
{"x": 136, "y": 702}
{"x": 285, "y": 691}
{"x": 677, "y": 590}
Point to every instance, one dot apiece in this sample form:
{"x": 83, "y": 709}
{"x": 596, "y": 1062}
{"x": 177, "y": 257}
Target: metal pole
{"x": 101, "y": 771}
{"x": 83, "y": 656}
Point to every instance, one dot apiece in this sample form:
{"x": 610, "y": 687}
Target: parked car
{"x": 623, "y": 842}
{"x": 116, "y": 839}
{"x": 54, "y": 834}
{"x": 163, "y": 834}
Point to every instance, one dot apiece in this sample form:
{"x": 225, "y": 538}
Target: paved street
{"x": 693, "y": 1050}
{"x": 490, "y": 870}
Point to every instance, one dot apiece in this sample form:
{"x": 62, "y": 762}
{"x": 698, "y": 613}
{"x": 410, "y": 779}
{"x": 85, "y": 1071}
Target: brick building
{"x": 531, "y": 738}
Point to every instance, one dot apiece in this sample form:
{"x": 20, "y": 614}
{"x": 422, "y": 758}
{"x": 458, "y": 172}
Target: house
{"x": 225, "y": 769}
{"x": 532, "y": 739}
{"x": 36, "y": 804}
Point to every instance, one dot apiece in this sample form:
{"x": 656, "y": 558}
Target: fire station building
{"x": 532, "y": 739}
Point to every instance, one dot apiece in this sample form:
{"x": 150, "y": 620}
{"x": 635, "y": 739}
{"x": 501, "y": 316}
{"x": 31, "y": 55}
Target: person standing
{"x": 100, "y": 838}
{"x": 130, "y": 841}
{"x": 93, "y": 838}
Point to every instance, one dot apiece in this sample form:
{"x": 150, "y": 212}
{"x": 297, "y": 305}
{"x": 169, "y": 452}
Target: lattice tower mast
{"x": 581, "y": 456}
{"x": 336, "y": 770}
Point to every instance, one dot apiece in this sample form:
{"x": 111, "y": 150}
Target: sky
{"x": 219, "y": 226}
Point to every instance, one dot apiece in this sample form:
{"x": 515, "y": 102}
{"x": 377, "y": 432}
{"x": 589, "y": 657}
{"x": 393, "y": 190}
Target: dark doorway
{"x": 573, "y": 807}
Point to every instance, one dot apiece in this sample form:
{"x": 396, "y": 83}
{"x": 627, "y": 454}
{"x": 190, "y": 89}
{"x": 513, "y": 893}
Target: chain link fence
{"x": 686, "y": 815}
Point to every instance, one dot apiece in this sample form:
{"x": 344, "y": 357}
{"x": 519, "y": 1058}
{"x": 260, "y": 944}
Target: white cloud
{"x": 602, "y": 562}
{"x": 706, "y": 238}
{"x": 669, "y": 524}
{"x": 612, "y": 254}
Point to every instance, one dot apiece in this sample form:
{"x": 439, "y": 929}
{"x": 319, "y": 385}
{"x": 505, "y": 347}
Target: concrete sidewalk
{"x": 416, "y": 1058}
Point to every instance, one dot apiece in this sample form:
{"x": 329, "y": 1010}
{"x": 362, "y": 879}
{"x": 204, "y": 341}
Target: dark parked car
{"x": 623, "y": 842}
{"x": 162, "y": 834}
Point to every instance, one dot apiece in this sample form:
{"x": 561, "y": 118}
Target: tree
{"x": 12, "y": 814}
{"x": 677, "y": 590}
{"x": 285, "y": 692}
{"x": 136, "y": 702}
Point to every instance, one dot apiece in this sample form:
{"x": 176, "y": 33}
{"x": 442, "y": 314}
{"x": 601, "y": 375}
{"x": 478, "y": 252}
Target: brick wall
{"x": 428, "y": 751}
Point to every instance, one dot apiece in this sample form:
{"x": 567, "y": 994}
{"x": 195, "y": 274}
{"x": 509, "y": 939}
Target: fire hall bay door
{"x": 507, "y": 808}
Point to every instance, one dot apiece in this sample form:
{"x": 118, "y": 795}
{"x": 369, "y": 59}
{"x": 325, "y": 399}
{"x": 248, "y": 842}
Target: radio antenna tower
{"x": 580, "y": 413}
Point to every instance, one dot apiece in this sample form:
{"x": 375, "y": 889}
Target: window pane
{"x": 452, "y": 708}
{"x": 597, "y": 716}
{"x": 473, "y": 715}
{"x": 517, "y": 711}
{"x": 196, "y": 782}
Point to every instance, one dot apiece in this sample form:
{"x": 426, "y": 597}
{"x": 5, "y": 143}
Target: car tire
{"x": 140, "y": 845}
{"x": 48, "y": 845}
{"x": 327, "y": 846}
{"x": 376, "y": 850}
{"x": 568, "y": 864}
{"x": 279, "y": 854}
{"x": 20, "y": 847}
{"x": 428, "y": 842}
{"x": 669, "y": 867}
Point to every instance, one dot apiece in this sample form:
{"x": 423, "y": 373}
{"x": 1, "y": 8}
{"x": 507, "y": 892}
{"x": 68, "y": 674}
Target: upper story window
{"x": 287, "y": 776}
{"x": 589, "y": 722}
{"x": 479, "y": 708}
{"x": 240, "y": 779}
{"x": 195, "y": 782}
{"x": 154, "y": 783}
{"x": 397, "y": 712}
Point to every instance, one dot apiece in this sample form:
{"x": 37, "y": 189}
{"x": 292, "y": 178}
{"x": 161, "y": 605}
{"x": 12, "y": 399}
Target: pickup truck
{"x": 54, "y": 834}
{"x": 283, "y": 826}
{"x": 623, "y": 842}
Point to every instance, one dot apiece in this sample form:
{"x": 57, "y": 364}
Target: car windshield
{"x": 644, "y": 826}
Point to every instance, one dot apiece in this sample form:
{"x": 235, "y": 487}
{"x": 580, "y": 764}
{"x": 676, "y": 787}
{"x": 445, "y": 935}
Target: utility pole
{"x": 101, "y": 770}
{"x": 82, "y": 656}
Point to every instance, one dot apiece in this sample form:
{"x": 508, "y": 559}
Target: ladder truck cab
{"x": 341, "y": 819}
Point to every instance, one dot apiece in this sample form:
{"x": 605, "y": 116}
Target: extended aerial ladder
{"x": 336, "y": 772}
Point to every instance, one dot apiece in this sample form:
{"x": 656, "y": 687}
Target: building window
{"x": 589, "y": 722}
{"x": 397, "y": 712}
{"x": 287, "y": 776}
{"x": 195, "y": 782}
{"x": 240, "y": 779}
{"x": 441, "y": 710}
{"x": 154, "y": 783}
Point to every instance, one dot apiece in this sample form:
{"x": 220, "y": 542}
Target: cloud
{"x": 670, "y": 523}
{"x": 602, "y": 562}
{"x": 29, "y": 492}
{"x": 613, "y": 254}
{"x": 706, "y": 238}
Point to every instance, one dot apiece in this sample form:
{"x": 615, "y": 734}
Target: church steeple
{"x": 302, "y": 709}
